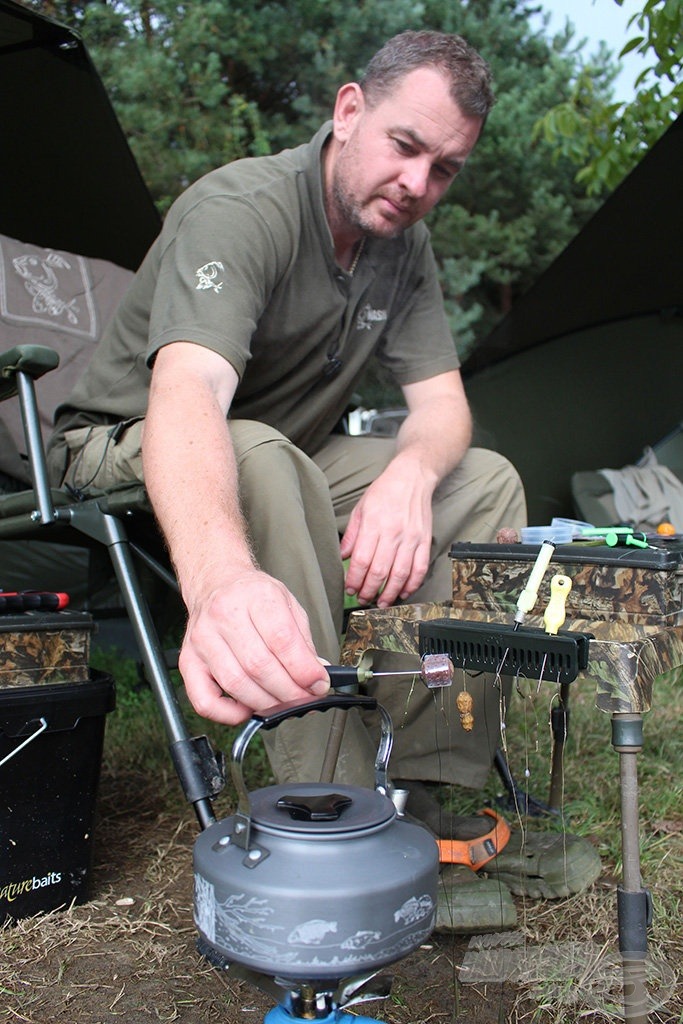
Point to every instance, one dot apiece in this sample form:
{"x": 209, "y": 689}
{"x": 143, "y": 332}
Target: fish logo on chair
{"x": 42, "y": 283}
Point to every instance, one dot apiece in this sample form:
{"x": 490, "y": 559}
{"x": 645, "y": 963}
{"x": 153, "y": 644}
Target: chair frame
{"x": 59, "y": 516}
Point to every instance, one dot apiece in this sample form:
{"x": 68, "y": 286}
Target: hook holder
{"x": 504, "y": 650}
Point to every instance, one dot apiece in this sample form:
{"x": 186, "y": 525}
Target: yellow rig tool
{"x": 554, "y": 615}
{"x": 527, "y": 599}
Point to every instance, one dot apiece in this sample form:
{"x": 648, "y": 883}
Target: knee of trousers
{"x": 510, "y": 490}
{"x": 286, "y": 502}
{"x": 496, "y": 481}
{"x": 267, "y": 460}
{"x": 484, "y": 462}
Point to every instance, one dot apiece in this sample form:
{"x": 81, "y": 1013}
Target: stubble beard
{"x": 353, "y": 213}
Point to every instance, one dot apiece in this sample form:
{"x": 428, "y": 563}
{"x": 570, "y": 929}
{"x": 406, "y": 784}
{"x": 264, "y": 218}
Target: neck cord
{"x": 359, "y": 252}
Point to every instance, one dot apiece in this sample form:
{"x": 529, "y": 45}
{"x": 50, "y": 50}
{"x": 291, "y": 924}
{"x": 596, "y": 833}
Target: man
{"x": 220, "y": 382}
{"x": 272, "y": 283}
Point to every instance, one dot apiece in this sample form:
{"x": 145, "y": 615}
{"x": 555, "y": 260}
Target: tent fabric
{"x": 68, "y": 178}
{"x": 625, "y": 262}
{"x": 585, "y": 371}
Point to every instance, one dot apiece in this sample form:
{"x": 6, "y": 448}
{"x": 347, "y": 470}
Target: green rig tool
{"x": 615, "y": 536}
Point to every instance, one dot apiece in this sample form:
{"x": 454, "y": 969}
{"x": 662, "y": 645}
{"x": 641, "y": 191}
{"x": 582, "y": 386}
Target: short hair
{"x": 468, "y": 73}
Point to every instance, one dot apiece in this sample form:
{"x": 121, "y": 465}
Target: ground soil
{"x": 128, "y": 953}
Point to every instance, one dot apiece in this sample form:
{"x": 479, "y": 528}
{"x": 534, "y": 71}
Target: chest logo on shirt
{"x": 368, "y": 317}
{"x": 207, "y": 276}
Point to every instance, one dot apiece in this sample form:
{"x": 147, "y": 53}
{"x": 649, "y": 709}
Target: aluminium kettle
{"x": 314, "y": 881}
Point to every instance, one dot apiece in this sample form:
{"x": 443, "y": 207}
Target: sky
{"x": 598, "y": 20}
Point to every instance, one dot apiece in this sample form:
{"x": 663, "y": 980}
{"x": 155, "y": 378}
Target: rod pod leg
{"x": 634, "y": 905}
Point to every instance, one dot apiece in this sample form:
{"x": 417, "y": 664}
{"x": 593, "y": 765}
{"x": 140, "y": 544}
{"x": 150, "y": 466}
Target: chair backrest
{"x": 55, "y": 298}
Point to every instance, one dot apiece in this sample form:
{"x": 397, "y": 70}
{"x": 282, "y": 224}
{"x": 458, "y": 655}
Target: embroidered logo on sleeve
{"x": 207, "y": 276}
{"x": 368, "y": 317}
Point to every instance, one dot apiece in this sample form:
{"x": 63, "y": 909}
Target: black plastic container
{"x": 50, "y": 757}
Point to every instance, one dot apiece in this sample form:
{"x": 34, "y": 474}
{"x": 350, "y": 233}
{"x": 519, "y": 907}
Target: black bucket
{"x": 50, "y": 756}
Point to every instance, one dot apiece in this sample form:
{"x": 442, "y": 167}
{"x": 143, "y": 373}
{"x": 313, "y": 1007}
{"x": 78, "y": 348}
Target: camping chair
{"x": 113, "y": 520}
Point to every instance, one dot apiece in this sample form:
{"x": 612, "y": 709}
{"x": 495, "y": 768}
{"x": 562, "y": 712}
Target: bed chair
{"x": 62, "y": 302}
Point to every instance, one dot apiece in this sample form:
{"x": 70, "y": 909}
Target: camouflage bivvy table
{"x": 624, "y": 660}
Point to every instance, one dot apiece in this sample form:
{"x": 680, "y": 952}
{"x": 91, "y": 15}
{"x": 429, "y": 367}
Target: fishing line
{"x": 411, "y": 691}
{"x": 450, "y": 891}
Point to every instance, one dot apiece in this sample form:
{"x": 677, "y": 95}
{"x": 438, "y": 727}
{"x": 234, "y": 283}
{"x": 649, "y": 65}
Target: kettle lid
{"x": 318, "y": 808}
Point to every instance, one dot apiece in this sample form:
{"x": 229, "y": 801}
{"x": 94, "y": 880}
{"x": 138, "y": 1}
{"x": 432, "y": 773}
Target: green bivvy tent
{"x": 586, "y": 369}
{"x": 67, "y": 178}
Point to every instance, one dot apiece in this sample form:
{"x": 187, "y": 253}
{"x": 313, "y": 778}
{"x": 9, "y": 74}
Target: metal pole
{"x": 34, "y": 446}
{"x": 633, "y": 901}
{"x": 109, "y": 530}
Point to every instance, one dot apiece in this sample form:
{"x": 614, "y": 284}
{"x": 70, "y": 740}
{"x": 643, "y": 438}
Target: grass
{"x": 586, "y": 925}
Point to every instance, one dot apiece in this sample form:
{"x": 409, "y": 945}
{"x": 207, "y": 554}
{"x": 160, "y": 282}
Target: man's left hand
{"x": 388, "y": 538}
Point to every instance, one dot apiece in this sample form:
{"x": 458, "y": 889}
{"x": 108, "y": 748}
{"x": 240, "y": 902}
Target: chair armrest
{"x": 34, "y": 360}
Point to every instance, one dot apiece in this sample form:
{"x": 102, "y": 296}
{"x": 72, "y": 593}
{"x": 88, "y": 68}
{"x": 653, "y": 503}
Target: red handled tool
{"x": 32, "y": 600}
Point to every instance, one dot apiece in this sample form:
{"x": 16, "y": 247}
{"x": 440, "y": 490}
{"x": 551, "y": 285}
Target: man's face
{"x": 396, "y": 159}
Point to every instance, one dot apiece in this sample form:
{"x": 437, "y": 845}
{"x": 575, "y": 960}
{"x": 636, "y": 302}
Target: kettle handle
{"x": 297, "y": 709}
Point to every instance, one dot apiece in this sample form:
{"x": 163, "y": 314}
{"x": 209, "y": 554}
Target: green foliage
{"x": 605, "y": 139}
{"x": 167, "y": 68}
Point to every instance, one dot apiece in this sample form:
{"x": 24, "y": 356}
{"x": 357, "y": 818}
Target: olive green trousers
{"x": 297, "y": 507}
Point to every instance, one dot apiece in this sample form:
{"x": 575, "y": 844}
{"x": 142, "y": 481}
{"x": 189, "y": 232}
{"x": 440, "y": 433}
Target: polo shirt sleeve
{"x": 219, "y": 263}
{"x": 418, "y": 343}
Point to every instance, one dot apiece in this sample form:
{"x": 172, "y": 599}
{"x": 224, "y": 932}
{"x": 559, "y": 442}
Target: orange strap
{"x": 476, "y": 852}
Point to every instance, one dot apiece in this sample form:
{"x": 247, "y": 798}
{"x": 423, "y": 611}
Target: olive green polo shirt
{"x": 245, "y": 265}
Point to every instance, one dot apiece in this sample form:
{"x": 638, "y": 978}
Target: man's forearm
{"x": 435, "y": 437}
{"x": 200, "y": 519}
{"x": 388, "y": 538}
{"x": 191, "y": 476}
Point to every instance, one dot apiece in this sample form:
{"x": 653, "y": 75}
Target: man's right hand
{"x": 247, "y": 647}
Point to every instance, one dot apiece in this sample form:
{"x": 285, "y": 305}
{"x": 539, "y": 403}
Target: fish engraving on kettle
{"x": 414, "y": 909}
{"x": 361, "y": 939}
{"x": 205, "y": 907}
{"x": 311, "y": 933}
